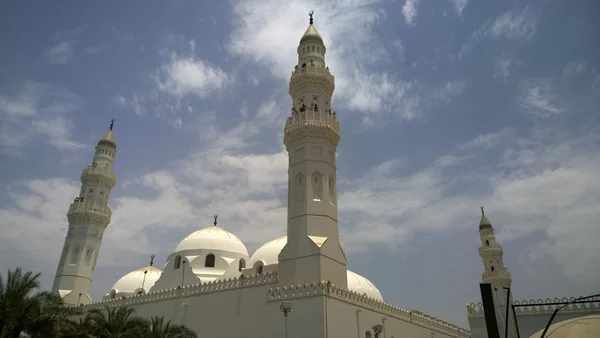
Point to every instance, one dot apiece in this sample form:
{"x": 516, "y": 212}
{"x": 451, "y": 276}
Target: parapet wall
{"x": 351, "y": 297}
{"x": 540, "y": 306}
{"x": 188, "y": 290}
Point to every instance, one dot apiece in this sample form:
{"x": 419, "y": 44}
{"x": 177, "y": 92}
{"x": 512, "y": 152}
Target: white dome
{"x": 361, "y": 285}
{"x": 269, "y": 252}
{"x": 134, "y": 280}
{"x": 213, "y": 238}
{"x": 580, "y": 327}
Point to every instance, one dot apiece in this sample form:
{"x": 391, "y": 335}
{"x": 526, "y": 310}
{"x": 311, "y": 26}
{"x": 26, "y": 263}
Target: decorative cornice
{"x": 540, "y": 306}
{"x": 327, "y": 289}
{"x": 187, "y": 291}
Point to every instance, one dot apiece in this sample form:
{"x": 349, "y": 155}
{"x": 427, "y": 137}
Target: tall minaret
{"x": 88, "y": 215}
{"x": 491, "y": 253}
{"x": 496, "y": 274}
{"x": 312, "y": 133}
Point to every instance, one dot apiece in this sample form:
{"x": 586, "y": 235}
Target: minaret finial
{"x": 310, "y": 14}
{"x": 112, "y": 123}
{"x": 216, "y": 216}
{"x": 152, "y": 260}
{"x": 482, "y": 213}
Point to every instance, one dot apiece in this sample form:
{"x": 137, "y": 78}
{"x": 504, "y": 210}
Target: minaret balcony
{"x": 312, "y": 124}
{"x": 97, "y": 175}
{"x": 495, "y": 274}
{"x": 306, "y": 77}
{"x": 82, "y": 210}
{"x": 493, "y": 249}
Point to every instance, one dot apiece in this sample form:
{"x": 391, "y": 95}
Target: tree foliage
{"x": 26, "y": 312}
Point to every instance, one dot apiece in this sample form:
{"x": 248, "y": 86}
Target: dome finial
{"x": 482, "y": 213}
{"x": 310, "y": 14}
{"x": 152, "y": 260}
{"x": 112, "y": 123}
{"x": 216, "y": 216}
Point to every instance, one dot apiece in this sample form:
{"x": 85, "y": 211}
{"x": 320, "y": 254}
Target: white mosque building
{"x": 294, "y": 286}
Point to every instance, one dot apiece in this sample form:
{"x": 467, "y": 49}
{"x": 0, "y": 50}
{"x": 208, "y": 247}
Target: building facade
{"x": 294, "y": 286}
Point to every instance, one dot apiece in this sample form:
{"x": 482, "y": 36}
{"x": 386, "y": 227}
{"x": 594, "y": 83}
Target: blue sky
{"x": 444, "y": 106}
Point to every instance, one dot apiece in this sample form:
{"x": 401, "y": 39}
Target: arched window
{"x": 242, "y": 264}
{"x": 177, "y": 263}
{"x": 75, "y": 255}
{"x": 487, "y": 242}
{"x": 259, "y": 270}
{"x": 112, "y": 294}
{"x": 331, "y": 184}
{"x": 209, "y": 262}
{"x": 317, "y": 186}
{"x": 88, "y": 256}
{"x": 300, "y": 187}
{"x": 492, "y": 268}
{"x": 368, "y": 334}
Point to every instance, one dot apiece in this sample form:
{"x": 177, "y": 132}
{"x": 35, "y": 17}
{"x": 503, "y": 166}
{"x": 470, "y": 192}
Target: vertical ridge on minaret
{"x": 88, "y": 216}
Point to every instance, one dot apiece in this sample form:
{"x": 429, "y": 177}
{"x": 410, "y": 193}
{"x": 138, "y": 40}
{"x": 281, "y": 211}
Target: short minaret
{"x": 88, "y": 216}
{"x": 491, "y": 254}
{"x": 312, "y": 133}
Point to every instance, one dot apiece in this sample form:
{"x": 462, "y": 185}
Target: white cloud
{"x": 135, "y": 102}
{"x": 38, "y": 111}
{"x": 540, "y": 97}
{"x": 182, "y": 76}
{"x": 520, "y": 25}
{"x": 487, "y": 141}
{"x": 359, "y": 86}
{"x": 60, "y": 53}
{"x": 409, "y": 10}
{"x": 459, "y": 5}
{"x": 573, "y": 68}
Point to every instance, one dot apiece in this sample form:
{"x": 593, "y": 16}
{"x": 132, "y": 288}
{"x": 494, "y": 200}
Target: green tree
{"x": 156, "y": 327}
{"x": 23, "y": 310}
{"x": 118, "y": 322}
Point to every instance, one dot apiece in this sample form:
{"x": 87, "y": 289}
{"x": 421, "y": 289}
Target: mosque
{"x": 293, "y": 286}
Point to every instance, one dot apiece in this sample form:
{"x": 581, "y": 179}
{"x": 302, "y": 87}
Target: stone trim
{"x": 188, "y": 290}
{"x": 327, "y": 289}
{"x": 540, "y": 306}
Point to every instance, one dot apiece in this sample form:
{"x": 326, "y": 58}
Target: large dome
{"x": 213, "y": 238}
{"x": 133, "y": 281}
{"x": 581, "y": 327}
{"x": 361, "y": 285}
{"x": 268, "y": 253}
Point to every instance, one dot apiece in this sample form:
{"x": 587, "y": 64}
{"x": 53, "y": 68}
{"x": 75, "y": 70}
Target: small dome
{"x": 134, "y": 280}
{"x": 361, "y": 285}
{"x": 108, "y": 138}
{"x": 269, "y": 252}
{"x": 213, "y": 238}
{"x": 581, "y": 327}
{"x": 311, "y": 34}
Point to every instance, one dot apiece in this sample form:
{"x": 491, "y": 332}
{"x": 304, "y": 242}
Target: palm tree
{"x": 119, "y": 322}
{"x": 157, "y": 328}
{"x": 38, "y": 315}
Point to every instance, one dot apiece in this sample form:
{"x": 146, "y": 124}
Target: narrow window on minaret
{"x": 317, "y": 186}
{"x": 88, "y": 256}
{"x": 299, "y": 191}
{"x": 492, "y": 268}
{"x": 487, "y": 242}
{"x": 177, "y": 262}
{"x": 74, "y": 255}
{"x": 331, "y": 183}
{"x": 313, "y": 49}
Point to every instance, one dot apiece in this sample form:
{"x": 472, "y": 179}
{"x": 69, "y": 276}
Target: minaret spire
{"x": 112, "y": 123}
{"x": 88, "y": 216}
{"x": 311, "y": 136}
